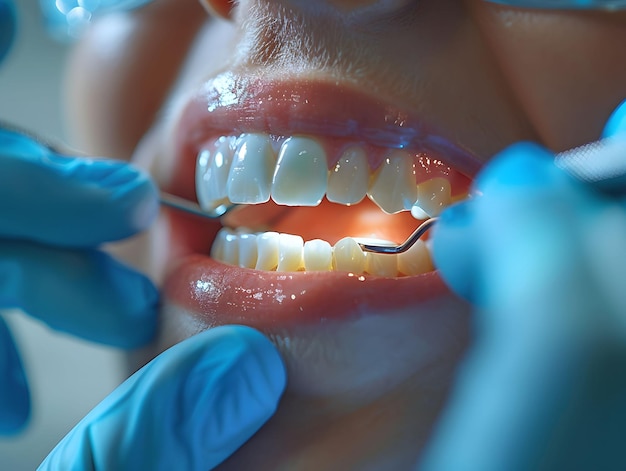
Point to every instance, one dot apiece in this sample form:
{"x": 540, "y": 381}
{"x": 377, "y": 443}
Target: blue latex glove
{"x": 54, "y": 212}
{"x": 544, "y": 258}
{"x": 189, "y": 409}
{"x": 565, "y": 4}
{"x": 7, "y": 27}
{"x": 69, "y": 17}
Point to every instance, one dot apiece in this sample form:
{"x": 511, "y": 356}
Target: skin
{"x": 488, "y": 74}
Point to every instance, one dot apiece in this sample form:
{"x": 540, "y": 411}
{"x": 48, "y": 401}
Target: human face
{"x": 370, "y": 358}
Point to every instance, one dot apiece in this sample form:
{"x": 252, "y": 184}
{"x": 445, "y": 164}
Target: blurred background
{"x": 67, "y": 376}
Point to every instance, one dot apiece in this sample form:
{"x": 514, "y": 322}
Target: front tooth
{"x": 267, "y": 251}
{"x": 318, "y": 255}
{"x": 416, "y": 260}
{"x": 226, "y": 247}
{"x": 217, "y": 249}
{"x": 394, "y": 188}
{"x": 301, "y": 173}
{"x": 433, "y": 196}
{"x": 247, "y": 250}
{"x": 212, "y": 169}
{"x": 347, "y": 182}
{"x": 290, "y": 248}
{"x": 250, "y": 176}
{"x": 348, "y": 256}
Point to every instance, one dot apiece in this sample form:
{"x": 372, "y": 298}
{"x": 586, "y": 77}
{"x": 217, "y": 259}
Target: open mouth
{"x": 316, "y": 168}
{"x": 304, "y": 171}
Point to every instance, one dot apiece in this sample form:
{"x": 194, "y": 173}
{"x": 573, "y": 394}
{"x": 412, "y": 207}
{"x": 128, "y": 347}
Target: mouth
{"x": 315, "y": 168}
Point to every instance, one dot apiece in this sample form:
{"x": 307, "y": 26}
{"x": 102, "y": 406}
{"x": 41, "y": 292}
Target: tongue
{"x": 329, "y": 221}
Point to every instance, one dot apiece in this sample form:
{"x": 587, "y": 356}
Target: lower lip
{"x": 225, "y": 294}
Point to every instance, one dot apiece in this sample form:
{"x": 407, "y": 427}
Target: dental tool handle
{"x": 602, "y": 164}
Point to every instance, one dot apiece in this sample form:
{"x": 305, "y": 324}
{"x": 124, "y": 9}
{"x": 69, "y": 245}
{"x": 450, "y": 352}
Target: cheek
{"x": 566, "y": 68}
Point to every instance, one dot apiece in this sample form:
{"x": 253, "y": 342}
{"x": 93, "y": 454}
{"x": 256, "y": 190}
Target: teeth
{"x": 381, "y": 264}
{"x": 290, "y": 248}
{"x": 394, "y": 188}
{"x": 433, "y": 196}
{"x": 416, "y": 260}
{"x": 349, "y": 256}
{"x": 347, "y": 182}
{"x": 271, "y": 251}
{"x": 301, "y": 173}
{"x": 226, "y": 247}
{"x": 250, "y": 176}
{"x": 318, "y": 255}
{"x": 245, "y": 171}
{"x": 248, "y": 250}
{"x": 212, "y": 169}
{"x": 267, "y": 251}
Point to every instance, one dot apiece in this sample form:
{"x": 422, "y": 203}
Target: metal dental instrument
{"x": 404, "y": 246}
{"x": 182, "y": 204}
{"x": 601, "y": 164}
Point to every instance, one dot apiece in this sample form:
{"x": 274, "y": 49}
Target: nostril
{"x": 220, "y": 8}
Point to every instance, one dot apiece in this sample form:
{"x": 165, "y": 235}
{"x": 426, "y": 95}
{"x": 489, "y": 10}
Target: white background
{"x": 67, "y": 376}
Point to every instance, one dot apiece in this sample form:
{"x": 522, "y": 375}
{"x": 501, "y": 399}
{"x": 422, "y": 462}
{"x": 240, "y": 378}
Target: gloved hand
{"x": 7, "y": 26}
{"x": 54, "y": 213}
{"x": 189, "y": 409}
{"x": 543, "y": 257}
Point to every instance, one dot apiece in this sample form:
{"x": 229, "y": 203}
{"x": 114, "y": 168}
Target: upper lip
{"x": 232, "y": 104}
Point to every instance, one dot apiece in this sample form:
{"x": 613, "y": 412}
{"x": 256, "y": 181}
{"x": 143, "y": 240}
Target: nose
{"x": 223, "y": 8}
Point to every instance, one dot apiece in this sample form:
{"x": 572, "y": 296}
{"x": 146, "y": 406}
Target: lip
{"x": 221, "y": 294}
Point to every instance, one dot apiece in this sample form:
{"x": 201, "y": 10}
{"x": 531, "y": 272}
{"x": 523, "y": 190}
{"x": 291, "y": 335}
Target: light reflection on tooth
{"x": 318, "y": 255}
{"x": 230, "y": 247}
{"x": 416, "y": 260}
{"x": 301, "y": 173}
{"x": 247, "y": 250}
{"x": 394, "y": 187}
{"x": 250, "y": 176}
{"x": 433, "y": 196}
{"x": 290, "y": 248}
{"x": 418, "y": 213}
{"x": 212, "y": 169}
{"x": 267, "y": 250}
{"x": 347, "y": 182}
{"x": 348, "y": 256}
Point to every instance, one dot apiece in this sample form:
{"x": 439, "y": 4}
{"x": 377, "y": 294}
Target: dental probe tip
{"x": 182, "y": 204}
{"x": 404, "y": 246}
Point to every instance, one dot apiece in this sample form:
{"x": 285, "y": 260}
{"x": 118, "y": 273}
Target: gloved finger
{"x": 454, "y": 251}
{"x": 616, "y": 123}
{"x": 547, "y": 365}
{"x": 83, "y": 292}
{"x": 67, "y": 201}
{"x": 456, "y": 237}
{"x": 7, "y": 27}
{"x": 14, "y": 394}
{"x": 190, "y": 408}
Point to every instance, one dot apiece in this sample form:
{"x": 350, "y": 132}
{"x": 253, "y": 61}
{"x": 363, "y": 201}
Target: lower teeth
{"x": 271, "y": 251}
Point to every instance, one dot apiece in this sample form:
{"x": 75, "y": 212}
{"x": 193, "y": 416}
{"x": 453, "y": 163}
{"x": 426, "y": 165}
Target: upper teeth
{"x": 248, "y": 170}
